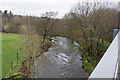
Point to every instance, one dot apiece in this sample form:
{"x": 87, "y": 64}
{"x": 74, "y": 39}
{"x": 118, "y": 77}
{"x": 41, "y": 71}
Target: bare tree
{"x": 48, "y": 21}
{"x": 88, "y": 22}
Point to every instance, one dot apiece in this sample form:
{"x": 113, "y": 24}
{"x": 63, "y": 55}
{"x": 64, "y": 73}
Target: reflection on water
{"x": 62, "y": 60}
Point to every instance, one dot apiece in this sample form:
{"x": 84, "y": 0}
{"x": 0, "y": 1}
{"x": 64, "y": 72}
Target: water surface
{"x": 62, "y": 60}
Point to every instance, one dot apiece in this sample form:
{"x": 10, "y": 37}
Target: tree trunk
{"x": 44, "y": 38}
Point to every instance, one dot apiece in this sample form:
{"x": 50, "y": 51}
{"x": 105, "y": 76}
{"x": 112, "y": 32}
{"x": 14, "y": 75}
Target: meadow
{"x": 12, "y": 56}
{"x": 9, "y": 53}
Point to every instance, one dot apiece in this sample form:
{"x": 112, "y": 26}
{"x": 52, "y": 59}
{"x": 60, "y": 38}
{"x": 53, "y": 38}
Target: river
{"x": 62, "y": 60}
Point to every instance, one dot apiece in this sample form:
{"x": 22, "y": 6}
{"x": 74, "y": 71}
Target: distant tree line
{"x": 108, "y": 21}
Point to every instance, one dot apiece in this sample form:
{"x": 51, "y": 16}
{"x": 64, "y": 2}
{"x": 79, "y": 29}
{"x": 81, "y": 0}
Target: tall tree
{"x": 88, "y": 22}
{"x": 48, "y": 21}
{"x": 5, "y": 12}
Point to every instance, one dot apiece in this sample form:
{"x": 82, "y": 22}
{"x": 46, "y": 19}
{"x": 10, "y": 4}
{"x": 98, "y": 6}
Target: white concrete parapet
{"x": 106, "y": 68}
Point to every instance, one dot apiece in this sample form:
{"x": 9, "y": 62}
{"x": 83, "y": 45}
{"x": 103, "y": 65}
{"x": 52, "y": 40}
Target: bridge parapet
{"x": 109, "y": 63}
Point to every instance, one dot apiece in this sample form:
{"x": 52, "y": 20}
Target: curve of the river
{"x": 62, "y": 60}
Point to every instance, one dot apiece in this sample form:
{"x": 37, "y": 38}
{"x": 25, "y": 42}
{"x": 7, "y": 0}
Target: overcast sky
{"x": 38, "y": 7}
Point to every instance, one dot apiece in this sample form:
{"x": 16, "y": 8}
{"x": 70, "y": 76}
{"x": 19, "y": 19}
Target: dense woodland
{"x": 90, "y": 24}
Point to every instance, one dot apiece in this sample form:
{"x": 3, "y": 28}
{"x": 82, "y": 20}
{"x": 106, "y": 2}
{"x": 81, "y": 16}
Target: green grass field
{"x": 10, "y": 48}
{"x": 9, "y": 52}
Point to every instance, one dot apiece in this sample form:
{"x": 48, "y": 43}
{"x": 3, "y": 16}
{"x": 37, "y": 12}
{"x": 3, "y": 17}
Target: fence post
{"x": 115, "y": 32}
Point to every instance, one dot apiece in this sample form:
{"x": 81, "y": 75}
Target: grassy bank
{"x": 11, "y": 54}
{"x": 89, "y": 63}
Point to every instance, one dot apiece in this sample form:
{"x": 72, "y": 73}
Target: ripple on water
{"x": 62, "y": 60}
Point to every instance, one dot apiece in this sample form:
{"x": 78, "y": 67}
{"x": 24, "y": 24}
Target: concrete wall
{"x": 106, "y": 68}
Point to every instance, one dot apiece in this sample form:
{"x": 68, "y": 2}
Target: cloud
{"x": 37, "y": 7}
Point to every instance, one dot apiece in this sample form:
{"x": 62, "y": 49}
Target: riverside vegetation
{"x": 90, "y": 24}
{"x": 12, "y": 57}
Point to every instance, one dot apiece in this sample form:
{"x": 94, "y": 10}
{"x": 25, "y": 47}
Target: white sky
{"x": 38, "y": 7}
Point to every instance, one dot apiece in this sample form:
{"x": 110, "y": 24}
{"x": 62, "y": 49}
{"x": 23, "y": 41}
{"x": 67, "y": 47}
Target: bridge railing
{"x": 108, "y": 65}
